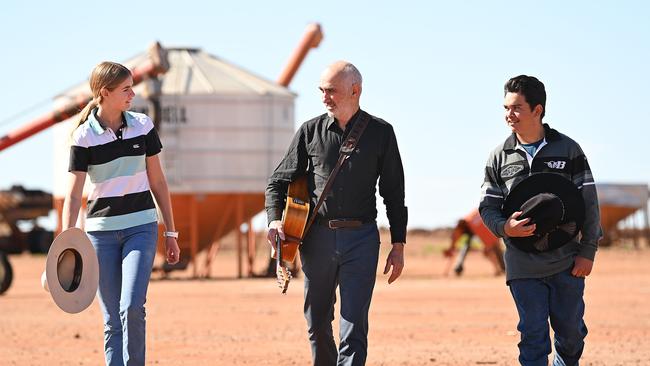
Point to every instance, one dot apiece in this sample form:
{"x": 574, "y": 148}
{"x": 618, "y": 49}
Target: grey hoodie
{"x": 509, "y": 164}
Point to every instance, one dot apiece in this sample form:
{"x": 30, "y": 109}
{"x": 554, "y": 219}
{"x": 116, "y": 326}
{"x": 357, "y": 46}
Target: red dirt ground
{"x": 422, "y": 319}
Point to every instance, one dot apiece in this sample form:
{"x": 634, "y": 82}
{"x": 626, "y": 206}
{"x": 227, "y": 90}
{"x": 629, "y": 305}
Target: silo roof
{"x": 623, "y": 195}
{"x": 195, "y": 72}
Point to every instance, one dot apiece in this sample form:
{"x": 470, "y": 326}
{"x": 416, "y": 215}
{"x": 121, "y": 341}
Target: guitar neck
{"x": 278, "y": 250}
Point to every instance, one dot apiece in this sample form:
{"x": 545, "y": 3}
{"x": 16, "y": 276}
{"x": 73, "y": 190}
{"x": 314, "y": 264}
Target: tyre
{"x": 39, "y": 241}
{"x": 6, "y": 273}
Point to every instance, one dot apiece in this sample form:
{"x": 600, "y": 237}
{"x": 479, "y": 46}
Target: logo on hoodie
{"x": 511, "y": 171}
{"x": 556, "y": 164}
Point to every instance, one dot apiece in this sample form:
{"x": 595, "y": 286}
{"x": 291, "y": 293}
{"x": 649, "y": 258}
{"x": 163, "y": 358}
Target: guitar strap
{"x": 346, "y": 150}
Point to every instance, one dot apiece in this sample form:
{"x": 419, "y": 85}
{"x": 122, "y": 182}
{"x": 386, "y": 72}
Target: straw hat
{"x": 71, "y": 271}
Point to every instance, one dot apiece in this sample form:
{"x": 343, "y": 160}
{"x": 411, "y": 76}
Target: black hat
{"x": 553, "y": 204}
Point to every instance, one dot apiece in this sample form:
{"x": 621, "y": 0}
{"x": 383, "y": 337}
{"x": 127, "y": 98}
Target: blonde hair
{"x": 106, "y": 75}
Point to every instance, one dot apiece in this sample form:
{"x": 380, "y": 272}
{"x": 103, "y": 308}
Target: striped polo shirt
{"x": 117, "y": 169}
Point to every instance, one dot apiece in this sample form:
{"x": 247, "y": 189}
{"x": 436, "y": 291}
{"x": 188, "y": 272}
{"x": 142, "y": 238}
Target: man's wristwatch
{"x": 170, "y": 234}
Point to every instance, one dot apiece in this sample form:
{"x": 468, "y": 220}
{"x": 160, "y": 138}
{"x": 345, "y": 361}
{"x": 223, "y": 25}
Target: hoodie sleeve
{"x": 492, "y": 199}
{"x": 583, "y": 179}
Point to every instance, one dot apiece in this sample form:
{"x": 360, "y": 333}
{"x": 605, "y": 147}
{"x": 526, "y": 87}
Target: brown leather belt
{"x": 342, "y": 223}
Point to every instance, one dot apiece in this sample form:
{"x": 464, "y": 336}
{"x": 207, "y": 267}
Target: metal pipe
{"x": 311, "y": 39}
{"x": 155, "y": 65}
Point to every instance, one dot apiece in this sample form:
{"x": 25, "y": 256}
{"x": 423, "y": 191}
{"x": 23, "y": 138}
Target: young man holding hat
{"x": 538, "y": 194}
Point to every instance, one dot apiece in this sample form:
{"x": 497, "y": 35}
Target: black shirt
{"x": 315, "y": 150}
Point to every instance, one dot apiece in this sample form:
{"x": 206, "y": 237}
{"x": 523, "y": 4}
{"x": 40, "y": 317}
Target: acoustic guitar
{"x": 294, "y": 219}
{"x": 283, "y": 273}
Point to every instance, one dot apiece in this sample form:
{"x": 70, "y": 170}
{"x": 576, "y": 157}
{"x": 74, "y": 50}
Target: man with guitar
{"x": 341, "y": 155}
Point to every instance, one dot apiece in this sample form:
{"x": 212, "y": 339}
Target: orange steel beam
{"x": 251, "y": 247}
{"x": 194, "y": 234}
{"x": 240, "y": 219}
{"x": 311, "y": 39}
{"x": 227, "y": 209}
{"x": 157, "y": 64}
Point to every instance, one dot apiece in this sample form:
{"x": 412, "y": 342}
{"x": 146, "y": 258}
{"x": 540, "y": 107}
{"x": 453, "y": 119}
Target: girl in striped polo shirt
{"x": 118, "y": 151}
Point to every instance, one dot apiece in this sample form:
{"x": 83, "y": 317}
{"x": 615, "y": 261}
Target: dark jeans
{"x": 558, "y": 297}
{"x": 346, "y": 258}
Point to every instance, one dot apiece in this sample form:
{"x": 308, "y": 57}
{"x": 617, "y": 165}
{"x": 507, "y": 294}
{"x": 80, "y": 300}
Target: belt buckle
{"x": 332, "y": 224}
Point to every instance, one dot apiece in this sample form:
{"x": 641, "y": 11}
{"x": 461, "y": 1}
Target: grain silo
{"x": 223, "y": 130}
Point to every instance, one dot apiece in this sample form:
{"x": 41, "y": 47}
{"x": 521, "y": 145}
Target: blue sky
{"x": 433, "y": 69}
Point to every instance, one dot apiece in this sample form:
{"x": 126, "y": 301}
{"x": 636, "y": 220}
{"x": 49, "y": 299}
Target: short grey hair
{"x": 353, "y": 73}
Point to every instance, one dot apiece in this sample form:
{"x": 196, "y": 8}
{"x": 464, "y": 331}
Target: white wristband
{"x": 170, "y": 234}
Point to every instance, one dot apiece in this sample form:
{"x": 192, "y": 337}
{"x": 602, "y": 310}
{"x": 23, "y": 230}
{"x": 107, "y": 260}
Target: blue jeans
{"x": 125, "y": 261}
{"x": 345, "y": 258}
{"x": 558, "y": 297}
